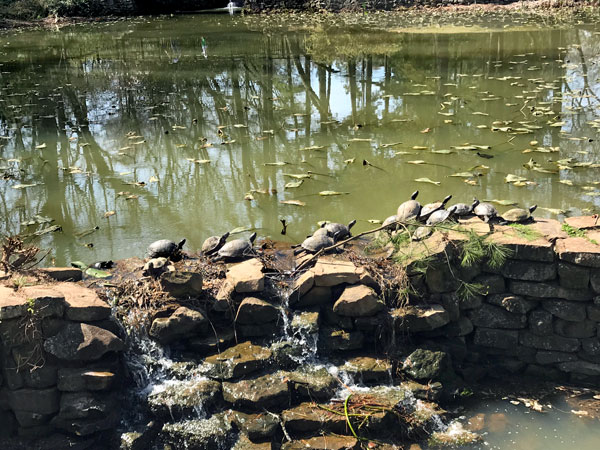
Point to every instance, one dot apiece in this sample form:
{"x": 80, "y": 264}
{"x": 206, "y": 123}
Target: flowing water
{"x": 168, "y": 127}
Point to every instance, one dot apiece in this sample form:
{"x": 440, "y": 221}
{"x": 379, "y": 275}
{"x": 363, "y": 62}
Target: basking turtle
{"x": 339, "y": 230}
{"x": 421, "y": 233}
{"x": 165, "y": 249}
{"x": 485, "y": 211}
{"x": 321, "y": 231}
{"x": 313, "y": 244}
{"x": 390, "y": 223}
{"x": 238, "y": 248}
{"x": 462, "y": 209}
{"x": 440, "y": 215}
{"x": 518, "y": 215}
{"x": 410, "y": 209}
{"x": 102, "y": 265}
{"x": 430, "y": 208}
{"x": 213, "y": 244}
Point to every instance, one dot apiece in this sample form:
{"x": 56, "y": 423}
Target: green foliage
{"x": 467, "y": 291}
{"x": 477, "y": 249}
{"x": 572, "y": 231}
{"x": 525, "y": 232}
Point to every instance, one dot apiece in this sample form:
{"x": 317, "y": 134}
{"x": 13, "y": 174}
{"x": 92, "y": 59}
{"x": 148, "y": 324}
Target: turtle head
{"x": 224, "y": 237}
{"x": 474, "y": 204}
{"x": 446, "y": 200}
{"x": 414, "y": 195}
{"x": 532, "y": 209}
{"x": 352, "y": 223}
{"x": 452, "y": 209}
{"x": 181, "y": 244}
{"x": 336, "y": 236}
{"x": 252, "y": 237}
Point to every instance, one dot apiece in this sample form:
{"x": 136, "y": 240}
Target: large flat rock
{"x": 269, "y": 391}
{"x": 358, "y": 301}
{"x": 12, "y": 304}
{"x": 82, "y": 342}
{"x": 331, "y": 272}
{"x": 83, "y": 304}
{"x": 46, "y": 301}
{"x": 579, "y": 251}
{"x": 420, "y": 318}
{"x": 247, "y": 276}
{"x": 237, "y": 361}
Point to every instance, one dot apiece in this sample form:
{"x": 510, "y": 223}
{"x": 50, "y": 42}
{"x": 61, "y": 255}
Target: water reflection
{"x": 123, "y": 117}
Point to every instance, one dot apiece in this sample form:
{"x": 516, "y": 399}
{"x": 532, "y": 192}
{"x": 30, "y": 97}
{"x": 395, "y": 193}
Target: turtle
{"x": 462, "y": 209}
{"x": 313, "y": 244}
{"x": 102, "y": 265}
{"x": 430, "y": 208}
{"x": 213, "y": 244}
{"x": 440, "y": 215}
{"x": 339, "y": 230}
{"x": 410, "y": 209}
{"x": 485, "y": 211}
{"x": 421, "y": 233}
{"x": 238, "y": 248}
{"x": 322, "y": 231}
{"x": 391, "y": 223}
{"x": 518, "y": 215}
{"x": 165, "y": 248}
{"x": 155, "y": 267}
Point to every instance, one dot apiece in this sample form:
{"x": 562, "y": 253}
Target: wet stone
{"x": 74, "y": 380}
{"x": 565, "y": 310}
{"x": 269, "y": 391}
{"x": 552, "y": 343}
{"x": 184, "y": 322}
{"x": 323, "y": 443}
{"x": 184, "y": 398}
{"x": 83, "y": 405}
{"x": 573, "y": 277}
{"x": 237, "y": 361}
{"x": 503, "y": 339}
{"x": 82, "y": 342}
{"x": 332, "y": 340}
{"x": 200, "y": 434}
{"x": 540, "y": 322}
{"x": 490, "y": 316}
{"x": 312, "y": 383}
{"x": 318, "y": 295}
{"x": 306, "y": 322}
{"x": 247, "y": 276}
{"x": 258, "y": 427}
{"x": 528, "y": 270}
{"x": 425, "y": 365}
{"x": 211, "y": 343}
{"x": 257, "y": 330}
{"x": 244, "y": 443}
{"x": 582, "y": 329}
{"x": 368, "y": 369}
{"x": 512, "y": 303}
{"x": 358, "y": 301}
{"x": 309, "y": 418}
{"x": 253, "y": 311}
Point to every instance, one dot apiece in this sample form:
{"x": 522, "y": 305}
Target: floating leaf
{"x": 294, "y": 184}
{"x": 240, "y": 230}
{"x": 557, "y": 124}
{"x": 360, "y": 140}
{"x": 375, "y": 221}
{"x": 442, "y": 152}
{"x": 293, "y": 202}
{"x": 567, "y": 182}
{"x": 97, "y": 273}
{"x": 298, "y": 176}
{"x": 277, "y": 163}
{"x": 350, "y": 161}
{"x": 463, "y": 175}
{"x": 249, "y": 197}
{"x": 41, "y": 146}
{"x": 427, "y": 180}
{"x": 330, "y": 193}
{"x": 502, "y": 202}
{"x": 23, "y": 186}
{"x": 109, "y": 213}
{"x": 511, "y": 178}
{"x": 390, "y": 145}
{"x": 313, "y": 147}
{"x": 417, "y": 161}
{"x": 419, "y": 147}
{"x": 79, "y": 265}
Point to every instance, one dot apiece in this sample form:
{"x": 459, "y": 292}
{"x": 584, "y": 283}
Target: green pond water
{"x": 173, "y": 124}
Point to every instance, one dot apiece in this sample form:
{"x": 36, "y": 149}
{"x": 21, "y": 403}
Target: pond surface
{"x": 194, "y": 125}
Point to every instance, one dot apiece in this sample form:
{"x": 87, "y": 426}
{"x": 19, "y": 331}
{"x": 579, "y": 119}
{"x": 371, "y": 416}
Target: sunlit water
{"x": 88, "y": 111}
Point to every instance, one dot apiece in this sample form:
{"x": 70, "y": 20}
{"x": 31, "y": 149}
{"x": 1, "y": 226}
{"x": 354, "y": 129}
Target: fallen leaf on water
{"x": 417, "y": 161}
{"x": 41, "y": 146}
{"x": 97, "y": 273}
{"x": 442, "y": 152}
{"x": 419, "y": 147}
{"x": 580, "y": 413}
{"x": 427, "y": 180}
{"x": 375, "y": 221}
{"x": 277, "y": 163}
{"x": 567, "y": 182}
{"x": 360, "y": 140}
{"x": 511, "y": 178}
{"x": 313, "y": 147}
{"x": 249, "y": 197}
{"x": 390, "y": 145}
{"x": 153, "y": 179}
{"x": 426, "y": 130}
{"x": 557, "y": 124}
{"x": 293, "y": 184}
{"x": 109, "y": 213}
{"x": 298, "y": 176}
{"x": 240, "y": 230}
{"x": 463, "y": 175}
{"x": 349, "y": 161}
{"x": 23, "y": 186}
{"x": 293, "y": 202}
{"x": 330, "y": 193}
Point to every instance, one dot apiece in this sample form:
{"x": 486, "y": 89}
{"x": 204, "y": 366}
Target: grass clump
{"x": 573, "y": 232}
{"x": 477, "y": 249}
{"x": 525, "y": 232}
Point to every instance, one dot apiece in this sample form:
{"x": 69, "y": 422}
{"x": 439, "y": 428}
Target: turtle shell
{"x": 485, "y": 210}
{"x": 162, "y": 248}
{"x": 315, "y": 243}
{"x": 408, "y": 210}
{"x": 210, "y": 244}
{"x": 389, "y": 223}
{"x": 516, "y": 215}
{"x": 421, "y": 233}
{"x": 438, "y": 216}
{"x": 236, "y": 248}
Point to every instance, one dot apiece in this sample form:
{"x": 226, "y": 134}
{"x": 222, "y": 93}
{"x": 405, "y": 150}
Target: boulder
{"x": 358, "y": 301}
{"x": 490, "y": 316}
{"x": 512, "y": 303}
{"x": 268, "y": 391}
{"x": 83, "y": 304}
{"x": 62, "y": 273}
{"x": 566, "y": 310}
{"x": 323, "y": 443}
{"x": 528, "y": 270}
{"x": 254, "y": 311}
{"x": 224, "y": 297}
{"x": 540, "y": 322}
{"x": 306, "y": 322}
{"x": 303, "y": 284}
{"x": 318, "y": 295}
{"x": 414, "y": 319}
{"x": 552, "y": 343}
{"x": 308, "y": 418}
{"x": 571, "y": 276}
{"x": 237, "y": 361}
{"x": 502, "y": 339}
{"x": 39, "y": 401}
{"x": 247, "y": 276}
{"x": 182, "y": 284}
{"x": 82, "y": 342}
{"x": 368, "y": 369}
{"x": 179, "y": 399}
{"x": 426, "y": 365}
{"x": 258, "y": 427}
{"x": 331, "y": 272}
{"x": 184, "y": 322}
{"x": 577, "y": 250}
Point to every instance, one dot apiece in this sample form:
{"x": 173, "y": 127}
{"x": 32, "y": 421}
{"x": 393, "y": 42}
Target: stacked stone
{"x": 59, "y": 362}
{"x": 540, "y": 312}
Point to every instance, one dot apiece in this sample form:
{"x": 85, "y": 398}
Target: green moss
{"x": 525, "y": 232}
{"x": 572, "y": 231}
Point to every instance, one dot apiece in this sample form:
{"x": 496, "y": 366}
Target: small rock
{"x": 312, "y": 383}
{"x": 425, "y": 365}
{"x": 247, "y": 276}
{"x": 303, "y": 284}
{"x": 540, "y": 322}
{"x": 269, "y": 391}
{"x": 237, "y": 361}
{"x": 332, "y": 340}
{"x": 63, "y": 273}
{"x": 224, "y": 297}
{"x": 181, "y": 399}
{"x": 368, "y": 369}
{"x": 181, "y": 284}
{"x": 420, "y": 318}
{"x": 512, "y": 303}
{"x": 322, "y": 443}
{"x": 306, "y": 322}
{"x": 358, "y": 301}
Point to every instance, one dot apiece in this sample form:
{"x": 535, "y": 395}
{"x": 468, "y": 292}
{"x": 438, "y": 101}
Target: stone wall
{"x": 59, "y": 361}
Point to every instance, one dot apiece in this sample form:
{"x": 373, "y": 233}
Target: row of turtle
{"x": 411, "y": 211}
